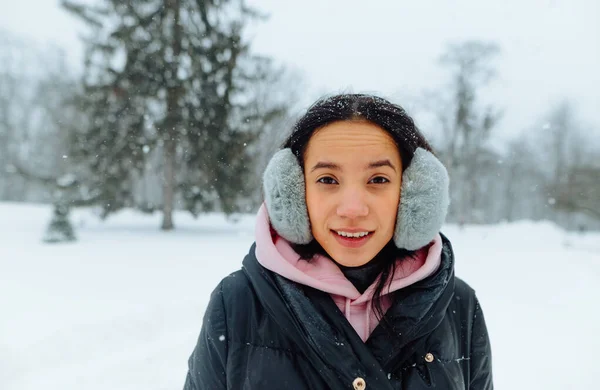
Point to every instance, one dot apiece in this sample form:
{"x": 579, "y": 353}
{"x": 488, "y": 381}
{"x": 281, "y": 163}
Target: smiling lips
{"x": 352, "y": 238}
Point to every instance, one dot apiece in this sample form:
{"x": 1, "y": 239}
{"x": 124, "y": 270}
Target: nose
{"x": 352, "y": 204}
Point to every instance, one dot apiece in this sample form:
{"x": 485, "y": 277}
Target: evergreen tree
{"x": 175, "y": 77}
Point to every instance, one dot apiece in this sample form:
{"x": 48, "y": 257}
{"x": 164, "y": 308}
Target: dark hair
{"x": 355, "y": 107}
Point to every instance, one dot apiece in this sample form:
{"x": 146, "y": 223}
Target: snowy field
{"x": 122, "y": 307}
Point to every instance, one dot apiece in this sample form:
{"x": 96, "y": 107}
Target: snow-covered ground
{"x": 122, "y": 307}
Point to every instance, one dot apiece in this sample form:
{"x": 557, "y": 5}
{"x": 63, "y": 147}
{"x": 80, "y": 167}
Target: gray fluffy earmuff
{"x": 424, "y": 200}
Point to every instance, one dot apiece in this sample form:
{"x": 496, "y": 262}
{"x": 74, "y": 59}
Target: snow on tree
{"x": 176, "y": 77}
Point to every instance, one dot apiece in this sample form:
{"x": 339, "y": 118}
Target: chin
{"x": 348, "y": 259}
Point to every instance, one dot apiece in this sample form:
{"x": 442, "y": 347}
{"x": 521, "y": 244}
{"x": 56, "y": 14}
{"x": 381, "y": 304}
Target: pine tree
{"x": 171, "y": 76}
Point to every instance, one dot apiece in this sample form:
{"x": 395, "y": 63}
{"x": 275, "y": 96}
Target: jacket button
{"x": 359, "y": 384}
{"x": 429, "y": 357}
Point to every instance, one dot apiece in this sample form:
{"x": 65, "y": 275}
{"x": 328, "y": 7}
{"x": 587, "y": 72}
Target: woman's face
{"x": 353, "y": 173}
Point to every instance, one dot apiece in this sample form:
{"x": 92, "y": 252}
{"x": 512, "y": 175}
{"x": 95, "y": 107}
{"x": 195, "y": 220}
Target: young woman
{"x": 350, "y": 284}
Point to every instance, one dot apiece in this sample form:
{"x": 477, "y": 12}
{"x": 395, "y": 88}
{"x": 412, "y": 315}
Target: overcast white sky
{"x": 550, "y": 48}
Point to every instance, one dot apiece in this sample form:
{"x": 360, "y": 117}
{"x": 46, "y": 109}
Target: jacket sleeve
{"x": 207, "y": 364}
{"x": 481, "y": 353}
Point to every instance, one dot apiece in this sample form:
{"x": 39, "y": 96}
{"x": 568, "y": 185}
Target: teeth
{"x": 355, "y": 235}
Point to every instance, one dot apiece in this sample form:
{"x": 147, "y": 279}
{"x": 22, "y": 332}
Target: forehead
{"x": 351, "y": 138}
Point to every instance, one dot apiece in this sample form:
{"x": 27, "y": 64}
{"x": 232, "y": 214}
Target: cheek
{"x": 319, "y": 206}
{"x": 314, "y": 204}
{"x": 388, "y": 209}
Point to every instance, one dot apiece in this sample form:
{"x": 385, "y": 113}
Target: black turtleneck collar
{"x": 363, "y": 276}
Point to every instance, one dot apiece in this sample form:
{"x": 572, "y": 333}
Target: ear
{"x": 285, "y": 197}
{"x": 424, "y": 201}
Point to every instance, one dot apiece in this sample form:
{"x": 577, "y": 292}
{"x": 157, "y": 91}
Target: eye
{"x": 327, "y": 180}
{"x": 379, "y": 180}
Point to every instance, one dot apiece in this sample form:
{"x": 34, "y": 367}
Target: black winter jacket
{"x": 262, "y": 331}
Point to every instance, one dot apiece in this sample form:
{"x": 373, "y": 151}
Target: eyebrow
{"x": 325, "y": 165}
{"x": 335, "y": 167}
{"x": 382, "y": 163}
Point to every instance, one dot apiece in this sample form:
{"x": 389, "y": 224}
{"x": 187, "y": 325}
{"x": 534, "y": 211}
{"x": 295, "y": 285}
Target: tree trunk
{"x": 169, "y": 181}
{"x": 509, "y": 201}
{"x": 172, "y": 121}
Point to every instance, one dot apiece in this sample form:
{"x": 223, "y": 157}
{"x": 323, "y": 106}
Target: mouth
{"x": 352, "y": 239}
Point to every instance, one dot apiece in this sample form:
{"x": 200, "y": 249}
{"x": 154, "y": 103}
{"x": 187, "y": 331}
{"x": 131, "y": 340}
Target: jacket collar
{"x": 428, "y": 301}
{"x": 328, "y": 341}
